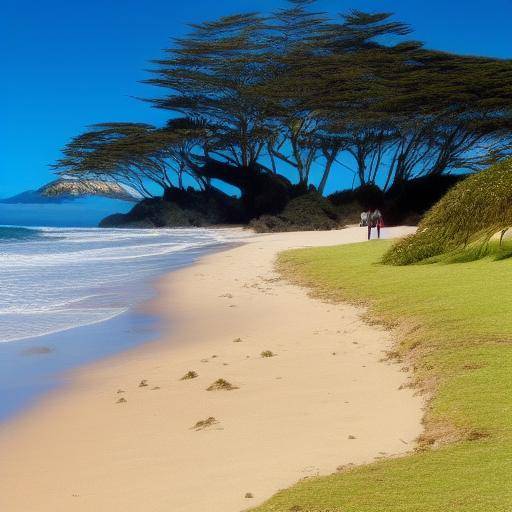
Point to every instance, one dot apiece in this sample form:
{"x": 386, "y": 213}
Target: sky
{"x": 69, "y": 64}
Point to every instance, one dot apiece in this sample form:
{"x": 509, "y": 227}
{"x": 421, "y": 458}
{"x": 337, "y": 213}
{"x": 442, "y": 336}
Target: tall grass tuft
{"x": 467, "y": 223}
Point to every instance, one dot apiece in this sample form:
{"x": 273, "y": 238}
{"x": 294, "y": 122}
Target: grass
{"x": 467, "y": 217}
{"x": 456, "y": 334}
{"x": 203, "y": 424}
{"x": 267, "y": 353}
{"x": 221, "y": 385}
{"x": 189, "y": 375}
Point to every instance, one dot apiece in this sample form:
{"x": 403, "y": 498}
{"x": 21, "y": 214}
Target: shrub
{"x": 307, "y": 212}
{"x": 221, "y": 385}
{"x": 189, "y": 375}
{"x": 179, "y": 208}
{"x": 464, "y": 220}
{"x": 202, "y": 424}
{"x": 408, "y": 201}
{"x": 366, "y": 196}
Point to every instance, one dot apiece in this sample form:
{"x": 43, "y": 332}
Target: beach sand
{"x": 324, "y": 400}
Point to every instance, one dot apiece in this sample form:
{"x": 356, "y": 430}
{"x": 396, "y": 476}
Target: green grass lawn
{"x": 455, "y": 325}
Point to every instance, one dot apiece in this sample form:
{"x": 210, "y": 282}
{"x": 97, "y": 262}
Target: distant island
{"x": 79, "y": 203}
{"x": 65, "y": 190}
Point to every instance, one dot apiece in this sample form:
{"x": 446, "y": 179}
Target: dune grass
{"x": 204, "y": 424}
{"x": 221, "y": 385}
{"x": 191, "y": 374}
{"x": 472, "y": 213}
{"x": 455, "y": 326}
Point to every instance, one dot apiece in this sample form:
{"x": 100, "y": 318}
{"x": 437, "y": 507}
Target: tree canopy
{"x": 255, "y": 100}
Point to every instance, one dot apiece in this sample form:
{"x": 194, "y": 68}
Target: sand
{"x": 324, "y": 400}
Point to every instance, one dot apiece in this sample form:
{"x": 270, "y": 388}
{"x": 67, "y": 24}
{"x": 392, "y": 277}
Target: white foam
{"x": 71, "y": 277}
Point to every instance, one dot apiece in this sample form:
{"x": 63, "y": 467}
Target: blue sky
{"x": 67, "y": 64}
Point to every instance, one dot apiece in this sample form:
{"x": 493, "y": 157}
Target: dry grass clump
{"x": 267, "y": 353}
{"x": 221, "y": 385}
{"x": 464, "y": 220}
{"x": 237, "y": 340}
{"x": 202, "y": 424}
{"x": 143, "y": 383}
{"x": 189, "y": 375}
{"x": 122, "y": 401}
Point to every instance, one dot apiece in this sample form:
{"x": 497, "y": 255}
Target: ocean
{"x": 53, "y": 279}
{"x": 69, "y": 296}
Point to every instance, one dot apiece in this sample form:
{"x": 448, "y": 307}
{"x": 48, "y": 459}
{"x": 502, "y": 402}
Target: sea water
{"x": 69, "y": 297}
{"x": 53, "y": 279}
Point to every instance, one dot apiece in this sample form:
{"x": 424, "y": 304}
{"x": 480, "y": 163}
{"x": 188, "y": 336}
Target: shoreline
{"x": 326, "y": 391}
{"x": 34, "y": 367}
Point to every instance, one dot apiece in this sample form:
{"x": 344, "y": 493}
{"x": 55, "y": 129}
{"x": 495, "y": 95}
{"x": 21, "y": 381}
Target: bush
{"x": 466, "y": 218}
{"x": 179, "y": 208}
{"x": 367, "y": 196}
{"x": 152, "y": 213}
{"x": 407, "y": 202}
{"x": 308, "y": 212}
{"x": 350, "y": 203}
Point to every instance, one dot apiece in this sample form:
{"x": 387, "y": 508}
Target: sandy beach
{"x": 324, "y": 400}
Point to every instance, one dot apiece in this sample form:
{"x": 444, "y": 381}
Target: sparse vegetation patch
{"x": 221, "y": 385}
{"x": 203, "y": 424}
{"x": 189, "y": 375}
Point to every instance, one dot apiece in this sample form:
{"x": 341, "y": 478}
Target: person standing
{"x": 369, "y": 222}
{"x": 375, "y": 220}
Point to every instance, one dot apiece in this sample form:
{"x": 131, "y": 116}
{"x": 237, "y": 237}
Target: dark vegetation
{"x": 306, "y": 212}
{"x": 469, "y": 222}
{"x": 279, "y": 105}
